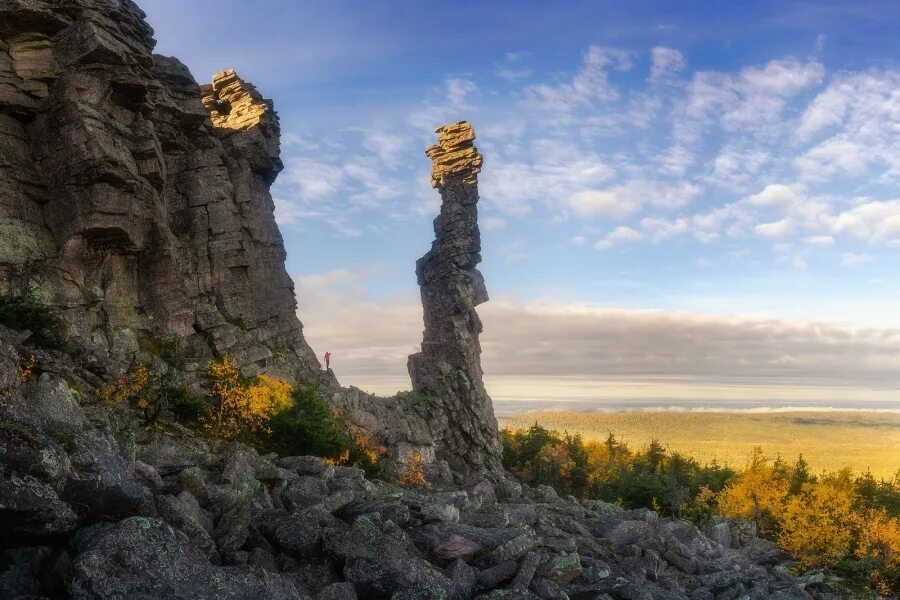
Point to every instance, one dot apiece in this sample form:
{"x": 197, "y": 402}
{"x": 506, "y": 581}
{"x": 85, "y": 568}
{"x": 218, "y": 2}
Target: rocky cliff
{"x": 134, "y": 199}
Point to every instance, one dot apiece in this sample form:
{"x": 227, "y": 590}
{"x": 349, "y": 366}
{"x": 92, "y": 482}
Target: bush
{"x": 610, "y": 471}
{"x": 307, "y": 427}
{"x": 129, "y": 387}
{"x": 188, "y": 407}
{"x": 413, "y": 473}
{"x": 242, "y": 407}
{"x": 310, "y": 427}
{"x": 47, "y": 328}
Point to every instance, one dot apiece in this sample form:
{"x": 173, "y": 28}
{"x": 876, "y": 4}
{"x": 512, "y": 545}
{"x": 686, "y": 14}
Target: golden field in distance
{"x": 828, "y": 440}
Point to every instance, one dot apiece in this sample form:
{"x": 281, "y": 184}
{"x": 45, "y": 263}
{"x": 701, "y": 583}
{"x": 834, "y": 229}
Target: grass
{"x": 827, "y": 440}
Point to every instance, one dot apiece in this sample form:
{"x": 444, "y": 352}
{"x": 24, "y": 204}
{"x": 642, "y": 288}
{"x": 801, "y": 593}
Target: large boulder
{"x": 144, "y": 558}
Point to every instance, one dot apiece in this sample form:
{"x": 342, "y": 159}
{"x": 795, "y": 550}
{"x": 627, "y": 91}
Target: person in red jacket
{"x": 327, "y": 360}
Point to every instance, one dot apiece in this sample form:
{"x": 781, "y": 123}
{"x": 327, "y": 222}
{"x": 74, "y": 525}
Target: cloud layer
{"x": 370, "y": 339}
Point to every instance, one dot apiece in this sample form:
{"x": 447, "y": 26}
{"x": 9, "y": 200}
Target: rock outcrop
{"x": 95, "y": 504}
{"x": 447, "y": 373}
{"x": 133, "y": 199}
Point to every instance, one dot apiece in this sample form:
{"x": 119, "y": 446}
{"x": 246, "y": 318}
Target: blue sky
{"x": 720, "y": 176}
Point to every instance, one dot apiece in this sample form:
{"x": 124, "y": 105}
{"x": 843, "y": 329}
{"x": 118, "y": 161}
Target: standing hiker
{"x": 327, "y": 360}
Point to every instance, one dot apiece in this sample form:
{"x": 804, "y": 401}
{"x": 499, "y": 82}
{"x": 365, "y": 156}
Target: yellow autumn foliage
{"x": 127, "y": 386}
{"x": 413, "y": 472}
{"x": 758, "y": 495}
{"x": 242, "y": 405}
{"x": 816, "y": 524}
{"x": 879, "y": 541}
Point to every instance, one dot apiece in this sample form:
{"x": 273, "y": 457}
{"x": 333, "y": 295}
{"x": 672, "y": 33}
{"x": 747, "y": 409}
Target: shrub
{"x": 128, "y": 387}
{"x": 412, "y": 474}
{"x": 242, "y": 407}
{"x": 816, "y": 523}
{"x": 757, "y": 495}
{"x": 47, "y": 328}
{"x": 310, "y": 426}
{"x": 188, "y": 407}
{"x": 307, "y": 427}
{"x": 879, "y": 547}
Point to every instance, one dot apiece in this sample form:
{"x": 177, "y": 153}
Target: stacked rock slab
{"x": 133, "y": 199}
{"x": 447, "y": 373}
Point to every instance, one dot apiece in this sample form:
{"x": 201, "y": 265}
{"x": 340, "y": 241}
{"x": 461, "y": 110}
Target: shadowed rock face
{"x": 447, "y": 371}
{"x": 129, "y": 203}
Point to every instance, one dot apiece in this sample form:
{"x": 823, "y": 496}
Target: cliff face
{"x": 135, "y": 200}
{"x": 447, "y": 372}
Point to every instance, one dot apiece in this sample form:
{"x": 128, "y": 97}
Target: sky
{"x": 680, "y": 202}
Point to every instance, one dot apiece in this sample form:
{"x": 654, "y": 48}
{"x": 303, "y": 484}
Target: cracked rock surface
{"x": 135, "y": 200}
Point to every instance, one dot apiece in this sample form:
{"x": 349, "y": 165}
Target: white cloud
{"x": 874, "y": 221}
{"x": 665, "y": 62}
{"x": 774, "y": 195}
{"x": 617, "y": 236}
{"x": 598, "y": 203}
{"x": 493, "y": 223}
{"x": 514, "y": 251}
{"x": 660, "y": 230}
{"x": 371, "y": 337}
{"x": 458, "y": 90}
{"x": 819, "y": 240}
{"x": 751, "y": 101}
{"x": 628, "y": 198}
{"x": 775, "y": 229}
{"x": 849, "y": 259}
{"x": 590, "y": 84}
{"x": 314, "y": 179}
{"x": 329, "y": 279}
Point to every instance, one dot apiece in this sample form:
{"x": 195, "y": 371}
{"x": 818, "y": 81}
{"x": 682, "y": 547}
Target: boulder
{"x": 140, "y": 557}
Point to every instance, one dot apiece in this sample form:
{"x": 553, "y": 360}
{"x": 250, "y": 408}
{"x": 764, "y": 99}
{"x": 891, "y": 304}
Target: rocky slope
{"x": 95, "y": 503}
{"x": 134, "y": 199}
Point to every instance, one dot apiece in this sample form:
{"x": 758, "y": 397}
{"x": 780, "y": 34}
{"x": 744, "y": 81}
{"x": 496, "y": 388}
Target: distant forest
{"x": 846, "y": 522}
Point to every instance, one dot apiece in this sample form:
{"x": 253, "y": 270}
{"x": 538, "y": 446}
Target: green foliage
{"x": 310, "y": 427}
{"x": 879, "y": 494}
{"x": 610, "y": 471}
{"x": 188, "y": 407}
{"x": 307, "y": 427}
{"x": 833, "y": 519}
{"x": 47, "y": 328}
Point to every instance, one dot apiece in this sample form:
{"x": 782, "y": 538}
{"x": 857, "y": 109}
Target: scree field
{"x": 827, "y": 440}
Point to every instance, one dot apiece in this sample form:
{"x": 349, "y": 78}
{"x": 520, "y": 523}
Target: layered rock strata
{"x": 447, "y": 373}
{"x": 133, "y": 199}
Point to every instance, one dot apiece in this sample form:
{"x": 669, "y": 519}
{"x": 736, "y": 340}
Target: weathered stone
{"x": 30, "y": 510}
{"x": 100, "y": 482}
{"x": 454, "y": 156}
{"x": 303, "y": 465}
{"x": 143, "y": 558}
{"x": 562, "y": 568}
{"x": 447, "y": 373}
{"x": 337, "y": 591}
{"x": 135, "y": 208}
